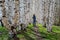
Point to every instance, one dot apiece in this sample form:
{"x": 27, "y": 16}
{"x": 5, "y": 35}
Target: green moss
{"x": 20, "y": 35}
{"x": 56, "y": 29}
{"x": 54, "y": 35}
{"x": 30, "y": 26}
{"x": 29, "y": 34}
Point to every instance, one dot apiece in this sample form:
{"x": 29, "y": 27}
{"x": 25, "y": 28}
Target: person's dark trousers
{"x": 34, "y": 23}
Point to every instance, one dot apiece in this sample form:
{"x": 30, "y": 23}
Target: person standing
{"x": 34, "y": 20}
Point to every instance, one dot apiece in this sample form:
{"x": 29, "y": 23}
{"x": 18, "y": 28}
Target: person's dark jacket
{"x": 34, "y": 18}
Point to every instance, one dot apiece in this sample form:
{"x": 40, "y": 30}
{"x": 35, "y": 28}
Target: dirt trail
{"x": 37, "y": 33}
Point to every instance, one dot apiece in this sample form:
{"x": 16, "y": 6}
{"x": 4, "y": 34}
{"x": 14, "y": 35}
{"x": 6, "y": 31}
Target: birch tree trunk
{"x": 4, "y": 17}
{"x": 16, "y": 17}
{"x": 50, "y": 15}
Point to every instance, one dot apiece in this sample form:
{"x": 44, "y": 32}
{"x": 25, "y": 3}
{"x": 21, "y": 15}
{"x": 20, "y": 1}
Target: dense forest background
{"x": 16, "y": 12}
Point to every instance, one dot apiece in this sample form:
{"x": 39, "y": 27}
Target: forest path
{"x": 37, "y": 33}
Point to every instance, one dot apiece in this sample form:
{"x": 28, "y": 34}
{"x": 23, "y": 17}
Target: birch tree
{"x": 50, "y": 15}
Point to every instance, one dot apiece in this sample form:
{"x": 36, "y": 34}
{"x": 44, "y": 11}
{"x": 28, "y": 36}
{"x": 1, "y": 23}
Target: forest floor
{"x": 34, "y": 33}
